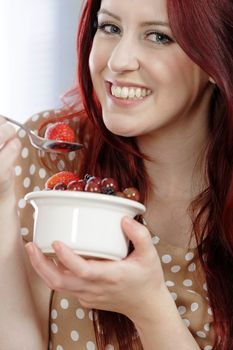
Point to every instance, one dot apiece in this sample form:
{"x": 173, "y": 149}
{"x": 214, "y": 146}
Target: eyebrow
{"x": 143, "y": 24}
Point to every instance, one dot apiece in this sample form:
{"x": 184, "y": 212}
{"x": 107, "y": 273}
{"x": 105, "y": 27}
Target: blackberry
{"x": 107, "y": 190}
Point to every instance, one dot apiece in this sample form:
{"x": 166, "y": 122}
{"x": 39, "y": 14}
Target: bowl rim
{"x": 106, "y": 198}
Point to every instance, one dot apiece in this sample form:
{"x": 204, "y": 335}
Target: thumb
{"x": 138, "y": 234}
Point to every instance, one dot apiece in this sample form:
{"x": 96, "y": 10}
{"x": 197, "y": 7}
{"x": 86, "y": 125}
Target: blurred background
{"x": 38, "y": 54}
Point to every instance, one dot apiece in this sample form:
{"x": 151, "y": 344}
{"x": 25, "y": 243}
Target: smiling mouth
{"x": 129, "y": 93}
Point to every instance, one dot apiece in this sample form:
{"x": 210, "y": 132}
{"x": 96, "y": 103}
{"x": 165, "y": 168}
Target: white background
{"x": 38, "y": 54}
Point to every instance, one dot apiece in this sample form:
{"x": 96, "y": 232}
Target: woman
{"x": 156, "y": 87}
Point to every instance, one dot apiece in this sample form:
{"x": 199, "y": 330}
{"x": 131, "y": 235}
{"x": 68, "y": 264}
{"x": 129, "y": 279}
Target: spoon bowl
{"x": 41, "y": 143}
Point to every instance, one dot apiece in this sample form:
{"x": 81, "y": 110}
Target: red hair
{"x": 204, "y": 31}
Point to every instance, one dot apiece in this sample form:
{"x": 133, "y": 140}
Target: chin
{"x": 119, "y": 129}
{"x": 117, "y": 125}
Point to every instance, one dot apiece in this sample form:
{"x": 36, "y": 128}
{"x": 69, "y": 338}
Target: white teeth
{"x": 129, "y": 92}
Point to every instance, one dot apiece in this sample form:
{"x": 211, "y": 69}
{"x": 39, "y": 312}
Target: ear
{"x": 212, "y": 80}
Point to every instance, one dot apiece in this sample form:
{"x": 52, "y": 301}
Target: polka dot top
{"x": 71, "y": 325}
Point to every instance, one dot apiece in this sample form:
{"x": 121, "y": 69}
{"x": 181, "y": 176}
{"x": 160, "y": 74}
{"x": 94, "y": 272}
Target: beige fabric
{"x": 71, "y": 325}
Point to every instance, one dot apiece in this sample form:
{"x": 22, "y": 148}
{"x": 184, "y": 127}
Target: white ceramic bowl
{"x": 89, "y": 223}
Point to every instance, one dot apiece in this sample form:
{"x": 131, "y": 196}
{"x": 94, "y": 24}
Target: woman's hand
{"x": 9, "y": 150}
{"x": 120, "y": 286}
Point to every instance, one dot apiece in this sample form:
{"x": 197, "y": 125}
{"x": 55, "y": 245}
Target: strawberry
{"x": 60, "y": 131}
{"x": 63, "y": 177}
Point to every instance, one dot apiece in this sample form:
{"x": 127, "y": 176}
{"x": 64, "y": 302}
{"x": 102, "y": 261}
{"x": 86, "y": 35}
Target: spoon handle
{"x": 15, "y": 122}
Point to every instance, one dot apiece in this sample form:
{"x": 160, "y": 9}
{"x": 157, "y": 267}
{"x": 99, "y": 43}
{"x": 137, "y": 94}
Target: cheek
{"x": 98, "y": 59}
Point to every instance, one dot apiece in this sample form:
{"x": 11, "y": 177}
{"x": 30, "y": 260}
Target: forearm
{"x": 163, "y": 328}
{"x": 17, "y": 307}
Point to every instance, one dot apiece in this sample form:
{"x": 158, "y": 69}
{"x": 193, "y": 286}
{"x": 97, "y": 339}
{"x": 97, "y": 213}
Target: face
{"x": 142, "y": 78}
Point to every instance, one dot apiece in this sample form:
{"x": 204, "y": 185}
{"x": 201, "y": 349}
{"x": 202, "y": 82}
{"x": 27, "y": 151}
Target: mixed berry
{"x": 68, "y": 181}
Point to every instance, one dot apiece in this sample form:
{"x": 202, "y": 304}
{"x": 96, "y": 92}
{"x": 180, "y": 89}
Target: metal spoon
{"x": 41, "y": 143}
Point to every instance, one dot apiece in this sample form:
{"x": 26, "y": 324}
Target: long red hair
{"x": 204, "y": 30}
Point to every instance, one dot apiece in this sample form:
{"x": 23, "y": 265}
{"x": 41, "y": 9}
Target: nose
{"x": 124, "y": 57}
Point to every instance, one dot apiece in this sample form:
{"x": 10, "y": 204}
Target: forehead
{"x": 137, "y": 9}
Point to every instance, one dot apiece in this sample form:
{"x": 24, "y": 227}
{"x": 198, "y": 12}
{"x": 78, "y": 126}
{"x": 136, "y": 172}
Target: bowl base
{"x": 85, "y": 254}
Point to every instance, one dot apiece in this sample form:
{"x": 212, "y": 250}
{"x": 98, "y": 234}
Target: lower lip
{"x": 123, "y": 102}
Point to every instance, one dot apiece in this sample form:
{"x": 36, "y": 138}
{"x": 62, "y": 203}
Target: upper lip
{"x": 127, "y": 84}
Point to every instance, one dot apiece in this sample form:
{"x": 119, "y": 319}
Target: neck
{"x": 176, "y": 166}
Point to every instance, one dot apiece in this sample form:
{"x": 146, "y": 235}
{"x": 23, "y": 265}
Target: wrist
{"x": 154, "y": 308}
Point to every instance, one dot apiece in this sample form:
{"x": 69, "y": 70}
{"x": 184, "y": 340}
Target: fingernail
{"x": 56, "y": 246}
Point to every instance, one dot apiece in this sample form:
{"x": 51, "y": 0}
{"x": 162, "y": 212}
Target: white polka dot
{"x": 174, "y": 295}
{"x": 36, "y": 188}
{"x": 181, "y": 310}
{"x": 90, "y": 345}
{"x": 208, "y": 347}
{"x": 166, "y": 259}
{"x": 192, "y": 267}
{"x": 59, "y": 347}
{"x": 57, "y": 111}
{"x": 41, "y": 153}
{"x": 25, "y": 152}
{"x": 80, "y": 314}
{"x": 22, "y": 133}
{"x": 91, "y": 315}
{"x": 109, "y": 347}
{"x": 210, "y": 312}
{"x": 26, "y": 182}
{"x": 54, "y": 314}
{"x": 194, "y": 307}
{"x": 42, "y": 173}
{"x": 64, "y": 303}
{"x": 22, "y": 203}
{"x": 187, "y": 283}
{"x": 74, "y": 335}
{"x": 205, "y": 286}
{"x": 207, "y": 327}
{"x": 155, "y": 239}
{"x": 175, "y": 268}
{"x": 35, "y": 117}
{"x": 24, "y": 231}
{"x": 32, "y": 169}
{"x": 61, "y": 165}
{"x": 54, "y": 328}
{"x": 72, "y": 156}
{"x": 189, "y": 256}
{"x": 169, "y": 284}
{"x": 201, "y": 334}
{"x": 186, "y": 322}
{"x": 18, "y": 170}
{"x": 53, "y": 156}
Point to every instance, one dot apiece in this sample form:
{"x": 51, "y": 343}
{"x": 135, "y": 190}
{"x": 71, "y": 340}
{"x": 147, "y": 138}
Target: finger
{"x": 9, "y": 153}
{"x": 138, "y": 234}
{"x": 50, "y": 273}
{"x": 8, "y": 156}
{"x": 88, "y": 270}
{"x": 7, "y": 132}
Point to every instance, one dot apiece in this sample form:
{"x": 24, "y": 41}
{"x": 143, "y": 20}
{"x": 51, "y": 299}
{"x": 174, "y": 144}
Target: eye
{"x": 159, "y": 38}
{"x": 108, "y": 28}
